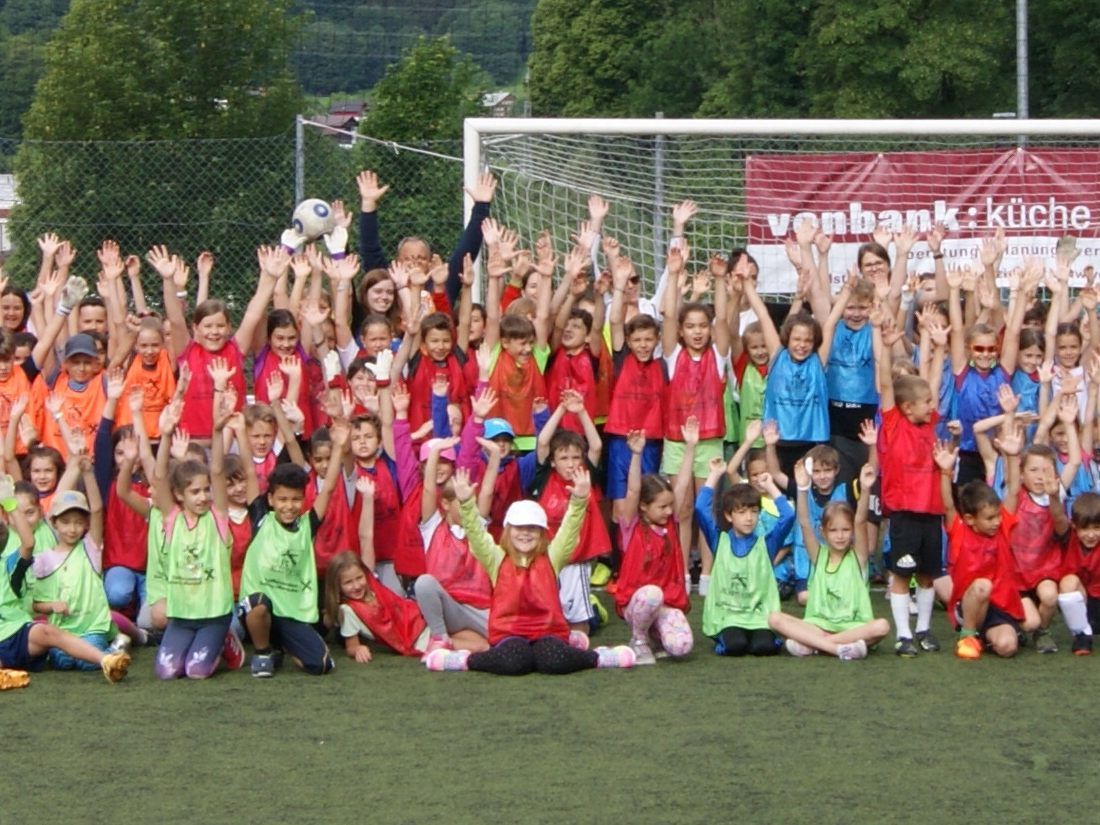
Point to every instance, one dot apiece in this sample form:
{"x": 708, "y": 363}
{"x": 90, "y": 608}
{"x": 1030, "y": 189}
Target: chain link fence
{"x": 227, "y": 196}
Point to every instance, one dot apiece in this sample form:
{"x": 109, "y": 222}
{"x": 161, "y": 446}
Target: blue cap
{"x": 498, "y": 426}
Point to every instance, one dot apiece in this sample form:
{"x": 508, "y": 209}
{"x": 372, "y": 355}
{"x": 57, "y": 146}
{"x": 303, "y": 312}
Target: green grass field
{"x": 705, "y": 740}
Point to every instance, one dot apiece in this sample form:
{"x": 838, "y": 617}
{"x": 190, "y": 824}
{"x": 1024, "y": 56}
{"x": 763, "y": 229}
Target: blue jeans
{"x": 63, "y": 661}
{"x": 122, "y": 585}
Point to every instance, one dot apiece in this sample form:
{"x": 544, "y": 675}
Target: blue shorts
{"x": 15, "y": 651}
{"x": 618, "y": 463}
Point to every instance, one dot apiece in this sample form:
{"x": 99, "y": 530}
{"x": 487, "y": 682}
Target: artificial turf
{"x": 707, "y": 739}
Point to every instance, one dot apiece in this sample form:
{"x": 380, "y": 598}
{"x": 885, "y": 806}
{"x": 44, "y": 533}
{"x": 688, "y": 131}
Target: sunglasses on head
{"x": 984, "y": 350}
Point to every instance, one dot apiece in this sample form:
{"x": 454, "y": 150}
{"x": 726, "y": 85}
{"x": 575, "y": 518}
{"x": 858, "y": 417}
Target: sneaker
{"x": 600, "y": 575}
{"x": 233, "y": 651}
{"x": 786, "y": 590}
{"x": 968, "y": 647}
{"x": 115, "y": 665}
{"x": 11, "y": 679}
{"x": 618, "y": 656}
{"x": 1044, "y": 642}
{"x": 599, "y": 612}
{"x": 263, "y": 665}
{"x": 1082, "y": 644}
{"x": 578, "y": 639}
{"x": 852, "y": 651}
{"x": 905, "y": 648}
{"x": 443, "y": 659}
{"x": 704, "y": 585}
{"x": 643, "y": 654}
{"x": 120, "y": 644}
{"x": 798, "y": 649}
{"x": 927, "y": 642}
{"x": 437, "y": 643}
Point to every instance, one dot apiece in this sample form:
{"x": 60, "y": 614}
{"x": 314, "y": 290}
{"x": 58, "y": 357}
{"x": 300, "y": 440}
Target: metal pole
{"x": 1021, "y": 65}
{"x": 658, "y": 197}
{"x": 299, "y": 159}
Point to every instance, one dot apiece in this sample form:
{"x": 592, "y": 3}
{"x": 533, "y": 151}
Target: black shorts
{"x": 916, "y": 544}
{"x": 297, "y": 639}
{"x": 1094, "y": 612}
{"x": 15, "y": 651}
{"x": 994, "y": 617}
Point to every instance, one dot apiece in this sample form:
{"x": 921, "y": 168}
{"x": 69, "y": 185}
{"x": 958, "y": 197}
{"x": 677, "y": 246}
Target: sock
{"x": 926, "y": 600}
{"x": 899, "y": 607}
{"x": 704, "y": 584}
{"x": 1075, "y": 612}
{"x": 687, "y": 582}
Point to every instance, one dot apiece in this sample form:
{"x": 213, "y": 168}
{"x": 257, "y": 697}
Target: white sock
{"x": 687, "y": 582}
{"x": 704, "y": 584}
{"x": 1075, "y": 612}
{"x": 926, "y": 600}
{"x": 899, "y": 607}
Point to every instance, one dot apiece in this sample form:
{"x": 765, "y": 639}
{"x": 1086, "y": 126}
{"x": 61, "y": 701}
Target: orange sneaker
{"x": 968, "y": 647}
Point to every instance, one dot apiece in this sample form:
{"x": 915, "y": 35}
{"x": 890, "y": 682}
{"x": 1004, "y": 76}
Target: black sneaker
{"x": 905, "y": 647}
{"x": 1082, "y": 644}
{"x": 928, "y": 643}
{"x": 786, "y": 590}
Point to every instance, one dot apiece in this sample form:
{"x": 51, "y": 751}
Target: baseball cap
{"x": 81, "y": 344}
{"x": 68, "y": 500}
{"x": 525, "y": 513}
{"x": 446, "y": 455}
{"x": 498, "y": 426}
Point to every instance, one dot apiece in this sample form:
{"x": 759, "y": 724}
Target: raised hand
{"x": 868, "y": 475}
{"x": 690, "y": 430}
{"x": 801, "y": 474}
{"x": 464, "y": 488}
{"x": 370, "y": 192}
{"x": 868, "y": 432}
{"x": 770, "y": 432}
{"x": 1008, "y": 400}
{"x": 220, "y": 372}
{"x": 364, "y": 485}
{"x": 582, "y": 483}
{"x": 181, "y": 440}
{"x": 682, "y": 213}
{"x": 275, "y": 386}
{"x": 116, "y": 382}
{"x": 484, "y": 189}
{"x": 635, "y": 440}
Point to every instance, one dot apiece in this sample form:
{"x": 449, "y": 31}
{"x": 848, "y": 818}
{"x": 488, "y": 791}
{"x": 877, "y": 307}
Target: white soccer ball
{"x": 312, "y": 218}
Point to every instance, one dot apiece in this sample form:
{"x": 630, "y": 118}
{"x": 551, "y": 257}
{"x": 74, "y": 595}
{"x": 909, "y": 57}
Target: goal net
{"x": 754, "y": 181}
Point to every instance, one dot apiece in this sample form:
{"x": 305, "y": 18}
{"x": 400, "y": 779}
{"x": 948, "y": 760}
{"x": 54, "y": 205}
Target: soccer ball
{"x": 312, "y": 218}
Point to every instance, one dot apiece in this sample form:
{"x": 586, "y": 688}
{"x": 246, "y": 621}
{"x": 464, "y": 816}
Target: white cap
{"x": 525, "y": 513}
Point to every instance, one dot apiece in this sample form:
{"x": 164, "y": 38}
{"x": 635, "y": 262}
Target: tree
{"x": 164, "y": 71}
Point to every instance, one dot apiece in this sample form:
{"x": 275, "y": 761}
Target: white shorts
{"x": 573, "y": 592}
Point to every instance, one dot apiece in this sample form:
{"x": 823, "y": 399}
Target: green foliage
{"x": 1064, "y": 60}
{"x": 175, "y": 77}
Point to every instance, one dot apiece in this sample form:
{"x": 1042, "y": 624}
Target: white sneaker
{"x": 687, "y": 583}
{"x": 704, "y": 585}
{"x": 798, "y": 649}
{"x": 643, "y": 653}
{"x": 120, "y": 644}
{"x": 851, "y": 651}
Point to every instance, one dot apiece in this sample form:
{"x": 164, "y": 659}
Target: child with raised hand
{"x": 743, "y": 593}
{"x": 797, "y": 398}
{"x": 639, "y": 383}
{"x": 910, "y": 490}
{"x": 1037, "y": 539}
{"x": 279, "y": 593}
{"x": 148, "y": 370}
{"x": 838, "y": 619}
{"x": 191, "y": 571}
{"x": 211, "y": 337}
{"x": 1079, "y": 588}
{"x": 1072, "y": 447}
{"x": 985, "y": 600}
{"x": 25, "y": 643}
{"x": 650, "y": 594}
{"x": 696, "y": 353}
{"x": 527, "y": 629}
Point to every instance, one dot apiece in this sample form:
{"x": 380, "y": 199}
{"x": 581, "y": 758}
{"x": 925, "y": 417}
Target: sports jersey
{"x": 198, "y": 584}
{"x": 651, "y": 555}
{"x": 279, "y": 564}
{"x": 838, "y": 598}
{"x": 797, "y": 398}
{"x": 76, "y": 578}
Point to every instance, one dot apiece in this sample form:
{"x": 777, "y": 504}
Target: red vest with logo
{"x": 516, "y": 387}
{"x": 650, "y": 558}
{"x": 198, "y": 401}
{"x": 387, "y": 511}
{"x": 1038, "y": 556}
{"x": 636, "y": 403}
{"x": 422, "y": 372}
{"x": 695, "y": 389}
{"x": 308, "y": 391}
{"x": 449, "y": 559}
{"x": 525, "y": 603}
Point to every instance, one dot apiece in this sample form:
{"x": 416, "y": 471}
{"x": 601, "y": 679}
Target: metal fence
{"x": 226, "y": 196}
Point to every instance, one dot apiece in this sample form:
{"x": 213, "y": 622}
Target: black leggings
{"x": 516, "y": 657}
{"x": 736, "y": 641}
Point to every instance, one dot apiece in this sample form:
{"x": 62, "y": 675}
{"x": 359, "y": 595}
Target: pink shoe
{"x": 578, "y": 639}
{"x": 443, "y": 659}
{"x": 437, "y": 643}
{"x": 233, "y": 651}
{"x": 620, "y": 656}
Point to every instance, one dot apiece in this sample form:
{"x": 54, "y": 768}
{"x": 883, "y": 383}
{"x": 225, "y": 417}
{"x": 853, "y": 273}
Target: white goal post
{"x": 754, "y": 180}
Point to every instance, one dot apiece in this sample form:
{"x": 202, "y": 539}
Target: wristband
{"x": 57, "y": 416}
{"x": 9, "y": 504}
{"x": 64, "y": 310}
{"x": 937, "y": 256}
{"x": 181, "y": 294}
{"x": 944, "y": 472}
{"x": 343, "y": 287}
{"x": 802, "y": 489}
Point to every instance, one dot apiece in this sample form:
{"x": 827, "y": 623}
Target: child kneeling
{"x": 527, "y": 629}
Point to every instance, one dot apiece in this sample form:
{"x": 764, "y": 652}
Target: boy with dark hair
{"x": 1079, "y": 598}
{"x": 279, "y": 594}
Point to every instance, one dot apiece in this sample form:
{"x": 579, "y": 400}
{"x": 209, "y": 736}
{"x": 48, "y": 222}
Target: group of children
{"x": 381, "y": 458}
